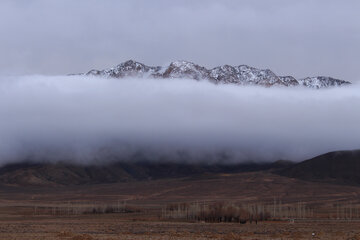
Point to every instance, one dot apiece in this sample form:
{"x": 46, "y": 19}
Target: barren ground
{"x": 29, "y": 212}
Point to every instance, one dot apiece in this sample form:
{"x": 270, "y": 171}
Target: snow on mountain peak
{"x": 321, "y": 82}
{"x": 225, "y": 74}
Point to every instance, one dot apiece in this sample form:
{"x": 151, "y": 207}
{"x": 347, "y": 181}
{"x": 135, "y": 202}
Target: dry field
{"x": 135, "y": 210}
{"x": 113, "y": 226}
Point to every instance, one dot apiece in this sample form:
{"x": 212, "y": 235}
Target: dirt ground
{"x": 29, "y": 212}
{"x": 113, "y": 226}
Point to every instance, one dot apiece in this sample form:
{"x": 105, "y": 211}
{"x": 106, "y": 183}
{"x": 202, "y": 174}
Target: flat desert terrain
{"x": 150, "y": 209}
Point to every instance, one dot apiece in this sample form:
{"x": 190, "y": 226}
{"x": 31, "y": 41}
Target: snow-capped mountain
{"x": 321, "y": 82}
{"x": 226, "y": 74}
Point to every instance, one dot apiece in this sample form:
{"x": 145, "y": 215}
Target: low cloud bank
{"x": 86, "y": 119}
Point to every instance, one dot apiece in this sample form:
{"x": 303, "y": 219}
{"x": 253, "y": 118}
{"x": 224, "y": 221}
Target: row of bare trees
{"x": 348, "y": 211}
{"x": 230, "y": 212}
{"x": 73, "y": 208}
{"x": 215, "y": 212}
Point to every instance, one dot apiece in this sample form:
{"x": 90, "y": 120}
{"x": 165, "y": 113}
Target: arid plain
{"x": 152, "y": 209}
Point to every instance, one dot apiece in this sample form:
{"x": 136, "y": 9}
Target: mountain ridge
{"x": 339, "y": 167}
{"x": 68, "y": 173}
{"x": 225, "y": 74}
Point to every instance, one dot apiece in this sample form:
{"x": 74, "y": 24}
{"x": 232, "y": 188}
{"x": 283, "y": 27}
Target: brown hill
{"x": 64, "y": 173}
{"x": 341, "y": 167}
{"x": 338, "y": 167}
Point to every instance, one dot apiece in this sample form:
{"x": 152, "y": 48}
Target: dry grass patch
{"x": 83, "y": 237}
{"x": 232, "y": 236}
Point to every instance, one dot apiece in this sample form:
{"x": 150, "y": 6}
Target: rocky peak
{"x": 321, "y": 82}
{"x": 184, "y": 69}
{"x": 225, "y": 74}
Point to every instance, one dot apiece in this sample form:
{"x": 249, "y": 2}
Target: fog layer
{"x": 81, "y": 118}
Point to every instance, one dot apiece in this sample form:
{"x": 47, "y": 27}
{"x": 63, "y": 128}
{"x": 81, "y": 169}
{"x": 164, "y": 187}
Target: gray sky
{"x": 301, "y": 38}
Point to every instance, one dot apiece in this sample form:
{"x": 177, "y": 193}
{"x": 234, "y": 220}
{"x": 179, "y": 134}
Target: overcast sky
{"x": 301, "y": 38}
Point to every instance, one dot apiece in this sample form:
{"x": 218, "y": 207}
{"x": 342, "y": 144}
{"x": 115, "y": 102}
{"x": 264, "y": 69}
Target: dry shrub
{"x": 82, "y": 237}
{"x": 214, "y": 212}
{"x": 64, "y": 234}
{"x": 78, "y": 208}
{"x": 232, "y": 236}
{"x": 112, "y": 209}
{"x": 355, "y": 237}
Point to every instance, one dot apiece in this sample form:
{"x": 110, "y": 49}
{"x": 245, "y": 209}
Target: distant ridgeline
{"x": 67, "y": 173}
{"x": 341, "y": 167}
{"x": 226, "y": 74}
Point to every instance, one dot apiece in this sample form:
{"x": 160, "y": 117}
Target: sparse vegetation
{"x": 242, "y": 213}
{"x": 157, "y": 210}
{"x": 77, "y": 208}
{"x": 215, "y": 212}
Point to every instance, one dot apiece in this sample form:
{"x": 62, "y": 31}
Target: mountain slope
{"x": 342, "y": 167}
{"x": 65, "y": 173}
{"x": 339, "y": 167}
{"x": 226, "y": 74}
